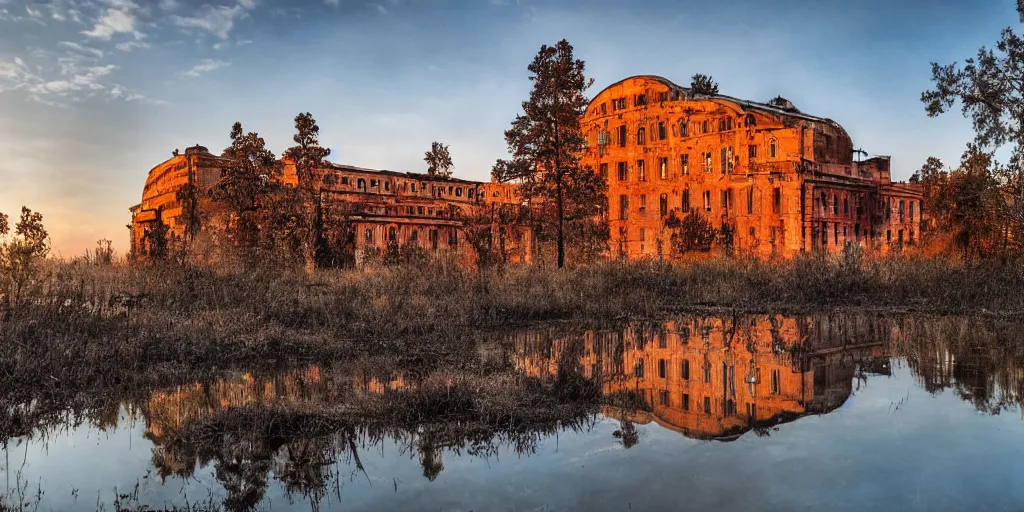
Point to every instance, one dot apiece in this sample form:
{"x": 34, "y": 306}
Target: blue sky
{"x": 94, "y": 93}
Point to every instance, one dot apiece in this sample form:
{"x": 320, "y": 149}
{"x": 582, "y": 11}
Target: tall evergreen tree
{"x": 307, "y": 218}
{"x": 246, "y": 184}
{"x": 546, "y": 141}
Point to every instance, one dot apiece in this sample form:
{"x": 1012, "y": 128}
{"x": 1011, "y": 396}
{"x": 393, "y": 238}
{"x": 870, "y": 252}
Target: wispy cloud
{"x": 205, "y": 66}
{"x": 217, "y": 20}
{"x": 113, "y": 22}
{"x": 128, "y": 46}
{"x": 87, "y": 50}
{"x": 333, "y": 3}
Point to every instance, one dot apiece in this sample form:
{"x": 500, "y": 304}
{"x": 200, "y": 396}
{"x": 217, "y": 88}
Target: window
{"x": 888, "y": 236}
{"x": 604, "y": 108}
{"x": 414, "y": 188}
{"x": 707, "y": 200}
{"x": 662, "y": 369}
{"x": 419, "y": 210}
{"x": 361, "y": 184}
{"x": 726, "y": 201}
{"x": 604, "y": 171}
{"x": 686, "y": 201}
{"x": 641, "y": 172}
{"x": 638, "y": 370}
{"x": 775, "y": 382}
{"x": 846, "y": 205}
{"x": 663, "y": 168}
{"x": 684, "y": 370}
{"x": 750, "y": 120}
{"x": 662, "y": 131}
{"x": 902, "y": 204}
{"x": 663, "y": 397}
{"x": 663, "y": 96}
{"x": 414, "y": 236}
{"x": 707, "y": 161}
{"x": 643, "y": 203}
{"x": 471, "y": 191}
{"x": 369, "y": 235}
{"x": 392, "y": 234}
{"x": 725, "y": 125}
{"x": 726, "y": 156}
{"x": 640, "y": 99}
{"x": 374, "y": 184}
{"x": 686, "y": 401}
{"x": 663, "y": 205}
{"x": 835, "y": 204}
{"x": 387, "y": 185}
{"x": 912, "y": 218}
{"x": 684, "y": 128}
{"x": 835, "y": 233}
{"x": 458, "y": 192}
{"x": 777, "y": 200}
{"x": 707, "y": 372}
{"x": 704, "y": 126}
{"x": 623, "y": 171}
{"x": 707, "y": 405}
{"x": 623, "y": 207}
{"x": 773, "y": 148}
{"x": 684, "y": 164}
{"x": 750, "y": 200}
{"x": 752, "y": 153}
{"x": 622, "y": 136}
{"x": 641, "y": 136}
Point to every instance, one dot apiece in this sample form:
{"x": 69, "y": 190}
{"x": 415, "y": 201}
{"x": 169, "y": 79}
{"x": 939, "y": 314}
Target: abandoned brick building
{"x": 783, "y": 181}
{"x": 380, "y": 207}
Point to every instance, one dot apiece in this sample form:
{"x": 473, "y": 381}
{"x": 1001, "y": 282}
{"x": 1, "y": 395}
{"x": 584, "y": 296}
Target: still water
{"x": 761, "y": 412}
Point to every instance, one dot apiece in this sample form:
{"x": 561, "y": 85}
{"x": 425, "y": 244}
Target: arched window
{"x": 773, "y": 148}
{"x": 663, "y": 205}
{"x": 471, "y": 191}
{"x": 392, "y": 234}
{"x": 414, "y": 236}
{"x": 684, "y": 128}
{"x": 750, "y": 120}
{"x": 640, "y": 135}
{"x": 458, "y": 192}
{"x": 369, "y": 235}
{"x": 361, "y": 184}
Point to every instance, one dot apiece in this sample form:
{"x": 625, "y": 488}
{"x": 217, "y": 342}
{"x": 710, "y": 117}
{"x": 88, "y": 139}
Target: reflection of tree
{"x": 627, "y": 434}
{"x": 242, "y": 466}
{"x": 431, "y": 460}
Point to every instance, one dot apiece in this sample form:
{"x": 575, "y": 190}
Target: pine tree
{"x": 546, "y": 141}
{"x": 307, "y": 214}
{"x": 246, "y": 183}
{"x": 703, "y": 84}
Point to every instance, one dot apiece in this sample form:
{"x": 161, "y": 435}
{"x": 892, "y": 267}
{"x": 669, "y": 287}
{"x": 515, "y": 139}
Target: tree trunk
{"x": 561, "y": 205}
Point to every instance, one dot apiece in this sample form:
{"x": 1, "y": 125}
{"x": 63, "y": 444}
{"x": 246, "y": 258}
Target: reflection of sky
{"x": 93, "y": 93}
{"x": 934, "y": 452}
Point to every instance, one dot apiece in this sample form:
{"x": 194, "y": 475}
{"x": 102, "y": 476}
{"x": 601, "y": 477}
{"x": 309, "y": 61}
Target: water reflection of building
{"x": 715, "y": 378}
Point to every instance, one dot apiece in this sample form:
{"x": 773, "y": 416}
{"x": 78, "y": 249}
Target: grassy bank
{"x": 89, "y": 325}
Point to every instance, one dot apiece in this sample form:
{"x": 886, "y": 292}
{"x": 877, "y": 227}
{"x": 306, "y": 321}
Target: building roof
{"x": 398, "y": 174}
{"x": 744, "y": 104}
